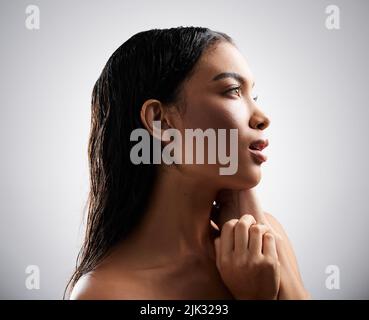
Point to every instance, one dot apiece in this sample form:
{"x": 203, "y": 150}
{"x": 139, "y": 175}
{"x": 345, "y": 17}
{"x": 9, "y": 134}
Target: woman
{"x": 153, "y": 231}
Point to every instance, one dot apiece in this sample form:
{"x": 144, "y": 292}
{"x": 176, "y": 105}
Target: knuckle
{"x": 242, "y": 224}
{"x": 269, "y": 236}
{"x": 277, "y": 264}
{"x": 224, "y": 261}
{"x": 256, "y": 228}
{"x": 255, "y": 262}
{"x": 248, "y": 218}
{"x": 239, "y": 262}
{"x": 230, "y": 224}
{"x": 271, "y": 263}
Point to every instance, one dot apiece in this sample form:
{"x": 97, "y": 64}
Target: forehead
{"x": 224, "y": 57}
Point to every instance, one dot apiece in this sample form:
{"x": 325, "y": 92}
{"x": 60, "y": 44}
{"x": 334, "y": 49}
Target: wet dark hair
{"x": 150, "y": 64}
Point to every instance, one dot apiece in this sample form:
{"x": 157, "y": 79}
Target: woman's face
{"x": 224, "y": 102}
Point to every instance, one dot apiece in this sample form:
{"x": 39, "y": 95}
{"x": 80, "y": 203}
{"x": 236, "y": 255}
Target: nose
{"x": 259, "y": 120}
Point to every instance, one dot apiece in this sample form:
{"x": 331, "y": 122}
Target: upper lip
{"x": 259, "y": 144}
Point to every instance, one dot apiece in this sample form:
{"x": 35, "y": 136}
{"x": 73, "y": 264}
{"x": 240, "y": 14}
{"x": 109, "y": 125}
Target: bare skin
{"x": 168, "y": 256}
{"x": 236, "y": 203}
{"x": 172, "y": 253}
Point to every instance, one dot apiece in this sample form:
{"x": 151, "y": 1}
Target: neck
{"x": 176, "y": 224}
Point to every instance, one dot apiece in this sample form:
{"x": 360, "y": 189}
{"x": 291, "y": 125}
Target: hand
{"x": 233, "y": 204}
{"x": 247, "y": 260}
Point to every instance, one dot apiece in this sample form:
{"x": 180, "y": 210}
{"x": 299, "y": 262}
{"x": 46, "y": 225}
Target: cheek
{"x": 217, "y": 113}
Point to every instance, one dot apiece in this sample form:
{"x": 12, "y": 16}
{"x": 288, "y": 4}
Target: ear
{"x": 153, "y": 110}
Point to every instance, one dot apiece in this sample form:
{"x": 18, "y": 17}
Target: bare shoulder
{"x": 88, "y": 287}
{"x": 99, "y": 285}
{"x": 278, "y": 228}
{"x": 286, "y": 242}
{"x": 84, "y": 288}
{"x": 276, "y": 225}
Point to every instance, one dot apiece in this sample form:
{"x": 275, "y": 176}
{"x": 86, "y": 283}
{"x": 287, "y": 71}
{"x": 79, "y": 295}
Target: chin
{"x": 250, "y": 176}
{"x": 245, "y": 178}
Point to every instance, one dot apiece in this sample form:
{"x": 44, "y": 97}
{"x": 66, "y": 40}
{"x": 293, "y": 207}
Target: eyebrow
{"x": 232, "y": 75}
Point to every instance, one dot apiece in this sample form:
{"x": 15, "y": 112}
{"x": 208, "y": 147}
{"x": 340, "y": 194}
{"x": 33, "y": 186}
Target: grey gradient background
{"x": 311, "y": 81}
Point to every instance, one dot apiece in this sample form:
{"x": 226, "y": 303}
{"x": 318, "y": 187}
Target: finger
{"x": 241, "y": 233}
{"x": 269, "y": 245}
{"x": 256, "y": 233}
{"x": 227, "y": 237}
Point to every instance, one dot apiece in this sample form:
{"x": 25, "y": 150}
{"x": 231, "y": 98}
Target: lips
{"x": 256, "y": 147}
{"x": 259, "y": 144}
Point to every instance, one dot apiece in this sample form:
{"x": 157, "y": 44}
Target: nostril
{"x": 261, "y": 126}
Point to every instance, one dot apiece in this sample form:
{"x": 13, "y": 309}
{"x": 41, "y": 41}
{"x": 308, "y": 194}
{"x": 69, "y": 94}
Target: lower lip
{"x": 258, "y": 155}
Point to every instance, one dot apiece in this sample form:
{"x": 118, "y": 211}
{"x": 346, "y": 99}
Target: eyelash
{"x": 238, "y": 88}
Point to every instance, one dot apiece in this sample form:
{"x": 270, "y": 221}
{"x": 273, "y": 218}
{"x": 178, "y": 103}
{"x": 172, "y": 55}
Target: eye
{"x": 235, "y": 89}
